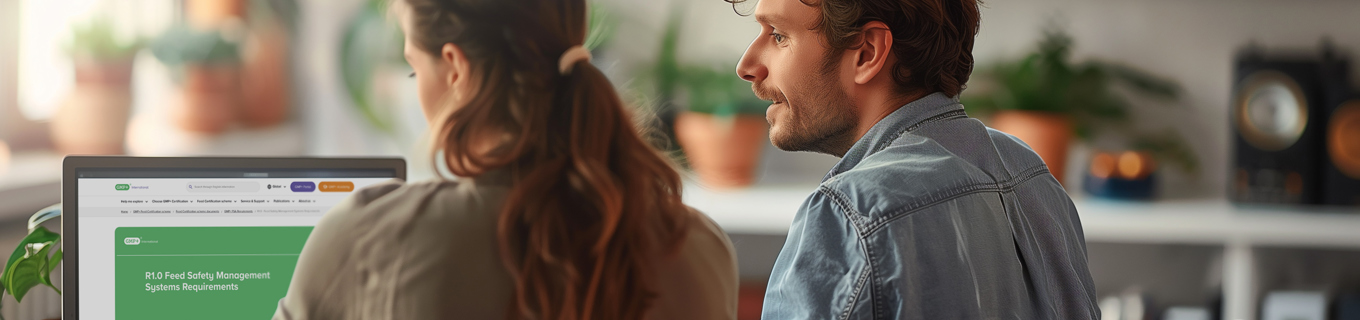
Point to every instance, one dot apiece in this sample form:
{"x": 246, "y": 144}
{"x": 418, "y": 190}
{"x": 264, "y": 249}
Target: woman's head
{"x": 449, "y": 43}
{"x": 590, "y": 200}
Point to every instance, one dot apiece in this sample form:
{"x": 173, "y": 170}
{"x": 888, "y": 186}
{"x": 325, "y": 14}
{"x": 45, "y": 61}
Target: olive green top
{"x": 428, "y": 250}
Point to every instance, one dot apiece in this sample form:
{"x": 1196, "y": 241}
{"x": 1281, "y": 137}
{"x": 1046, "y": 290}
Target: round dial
{"x": 1272, "y": 111}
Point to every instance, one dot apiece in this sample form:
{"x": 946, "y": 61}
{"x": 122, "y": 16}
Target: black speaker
{"x": 1276, "y": 115}
{"x": 1341, "y": 163}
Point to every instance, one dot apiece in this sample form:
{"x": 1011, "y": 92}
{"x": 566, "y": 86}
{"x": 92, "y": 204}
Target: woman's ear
{"x": 458, "y": 67}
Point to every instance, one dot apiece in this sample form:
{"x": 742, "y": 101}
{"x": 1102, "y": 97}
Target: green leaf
{"x": 182, "y": 45}
{"x": 27, "y": 263}
{"x": 46, "y": 275}
{"x": 95, "y": 39}
{"x": 1171, "y": 148}
{"x": 39, "y": 235}
{"x": 1142, "y": 81}
{"x": 26, "y": 273}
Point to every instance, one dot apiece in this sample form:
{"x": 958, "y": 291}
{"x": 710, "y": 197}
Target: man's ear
{"x": 874, "y": 51}
{"x": 457, "y": 63}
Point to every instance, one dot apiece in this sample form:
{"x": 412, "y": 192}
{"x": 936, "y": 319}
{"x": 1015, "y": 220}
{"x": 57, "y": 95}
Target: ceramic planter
{"x": 209, "y": 14}
{"x": 1049, "y": 134}
{"x": 723, "y": 151}
{"x": 266, "y": 80}
{"x": 93, "y": 119}
{"x": 210, "y": 99}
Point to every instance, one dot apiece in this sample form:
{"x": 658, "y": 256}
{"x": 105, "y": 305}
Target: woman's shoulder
{"x": 703, "y": 236}
{"x": 700, "y": 281}
{"x": 396, "y": 203}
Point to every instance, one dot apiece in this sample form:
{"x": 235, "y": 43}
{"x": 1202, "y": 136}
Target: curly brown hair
{"x": 932, "y": 39}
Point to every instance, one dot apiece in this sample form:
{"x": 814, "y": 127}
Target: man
{"x": 929, "y": 214}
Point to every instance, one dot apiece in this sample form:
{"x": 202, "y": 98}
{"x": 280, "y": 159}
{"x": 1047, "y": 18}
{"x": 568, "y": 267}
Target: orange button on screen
{"x": 335, "y": 186}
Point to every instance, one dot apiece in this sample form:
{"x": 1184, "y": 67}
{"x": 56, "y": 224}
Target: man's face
{"x": 811, "y": 110}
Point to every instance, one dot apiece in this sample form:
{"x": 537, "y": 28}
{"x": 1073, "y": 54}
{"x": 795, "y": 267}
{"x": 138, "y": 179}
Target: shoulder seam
{"x": 842, "y": 202}
{"x": 854, "y": 295}
{"x": 950, "y": 194}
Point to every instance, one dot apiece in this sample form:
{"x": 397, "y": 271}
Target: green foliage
{"x": 95, "y": 40}
{"x": 712, "y": 89}
{"x": 181, "y": 45}
{"x": 1046, "y": 81}
{"x": 370, "y": 40}
{"x": 718, "y": 91}
{"x": 30, "y": 264}
{"x": 1168, "y": 146}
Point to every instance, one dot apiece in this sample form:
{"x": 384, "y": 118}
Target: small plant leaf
{"x": 29, "y": 260}
{"x": 46, "y": 275}
{"x": 39, "y": 235}
{"x": 26, "y": 272}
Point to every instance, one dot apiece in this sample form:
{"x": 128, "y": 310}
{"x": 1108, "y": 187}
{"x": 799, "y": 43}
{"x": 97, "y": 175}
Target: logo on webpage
{"x": 132, "y": 241}
{"x": 122, "y": 187}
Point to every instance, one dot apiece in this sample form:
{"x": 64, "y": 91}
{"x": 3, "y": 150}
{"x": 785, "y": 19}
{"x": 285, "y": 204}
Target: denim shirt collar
{"x": 934, "y": 107}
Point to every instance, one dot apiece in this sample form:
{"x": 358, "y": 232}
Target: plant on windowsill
{"x": 33, "y": 260}
{"x": 723, "y": 126}
{"x": 208, "y": 67}
{"x": 1045, "y": 100}
{"x": 94, "y": 116}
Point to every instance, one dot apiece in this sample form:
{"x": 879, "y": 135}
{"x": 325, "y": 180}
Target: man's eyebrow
{"x": 770, "y": 19}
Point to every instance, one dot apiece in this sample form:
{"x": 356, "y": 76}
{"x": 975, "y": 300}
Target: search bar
{"x": 222, "y": 186}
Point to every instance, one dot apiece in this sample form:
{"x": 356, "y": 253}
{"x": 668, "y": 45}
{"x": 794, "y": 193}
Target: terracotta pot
{"x": 266, "y": 81}
{"x": 93, "y": 119}
{"x": 211, "y": 14}
{"x": 724, "y": 151}
{"x": 1049, "y": 134}
{"x": 210, "y": 99}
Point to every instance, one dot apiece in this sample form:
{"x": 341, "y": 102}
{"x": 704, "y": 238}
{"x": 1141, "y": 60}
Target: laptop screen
{"x": 198, "y": 243}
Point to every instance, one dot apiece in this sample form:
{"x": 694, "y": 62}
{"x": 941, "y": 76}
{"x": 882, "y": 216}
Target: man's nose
{"x": 751, "y": 68}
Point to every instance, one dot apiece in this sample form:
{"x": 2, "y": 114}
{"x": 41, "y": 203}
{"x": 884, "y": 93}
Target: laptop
{"x": 195, "y": 238}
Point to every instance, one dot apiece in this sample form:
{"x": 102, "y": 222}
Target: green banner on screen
{"x": 203, "y": 272}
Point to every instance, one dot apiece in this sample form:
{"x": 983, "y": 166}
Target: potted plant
{"x": 1046, "y": 101}
{"x": 266, "y": 56}
{"x": 32, "y": 262}
{"x": 94, "y": 117}
{"x": 209, "y": 69}
{"x": 723, "y": 130}
{"x": 722, "y": 126}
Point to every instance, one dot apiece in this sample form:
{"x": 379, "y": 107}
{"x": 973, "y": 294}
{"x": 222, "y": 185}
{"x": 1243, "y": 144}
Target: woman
{"x": 563, "y": 212}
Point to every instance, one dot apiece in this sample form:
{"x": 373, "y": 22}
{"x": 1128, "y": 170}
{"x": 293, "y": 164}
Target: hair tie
{"x": 571, "y": 57}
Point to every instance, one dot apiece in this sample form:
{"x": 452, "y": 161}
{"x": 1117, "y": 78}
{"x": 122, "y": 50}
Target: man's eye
{"x": 778, "y": 38}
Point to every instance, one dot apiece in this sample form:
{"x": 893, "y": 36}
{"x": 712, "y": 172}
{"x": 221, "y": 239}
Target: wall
{"x": 1190, "y": 41}
{"x": 9, "y": 43}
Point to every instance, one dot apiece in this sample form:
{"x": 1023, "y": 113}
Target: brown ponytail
{"x": 592, "y": 205}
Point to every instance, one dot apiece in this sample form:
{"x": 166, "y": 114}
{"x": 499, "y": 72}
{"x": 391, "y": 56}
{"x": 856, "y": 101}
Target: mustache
{"x": 766, "y": 94}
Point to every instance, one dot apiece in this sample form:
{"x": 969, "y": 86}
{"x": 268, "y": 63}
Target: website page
{"x": 196, "y": 248}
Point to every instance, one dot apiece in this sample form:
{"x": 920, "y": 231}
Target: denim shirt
{"x": 932, "y": 215}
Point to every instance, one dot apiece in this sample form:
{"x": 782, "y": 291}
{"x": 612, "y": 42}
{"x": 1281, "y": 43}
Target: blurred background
{"x": 1212, "y": 146}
